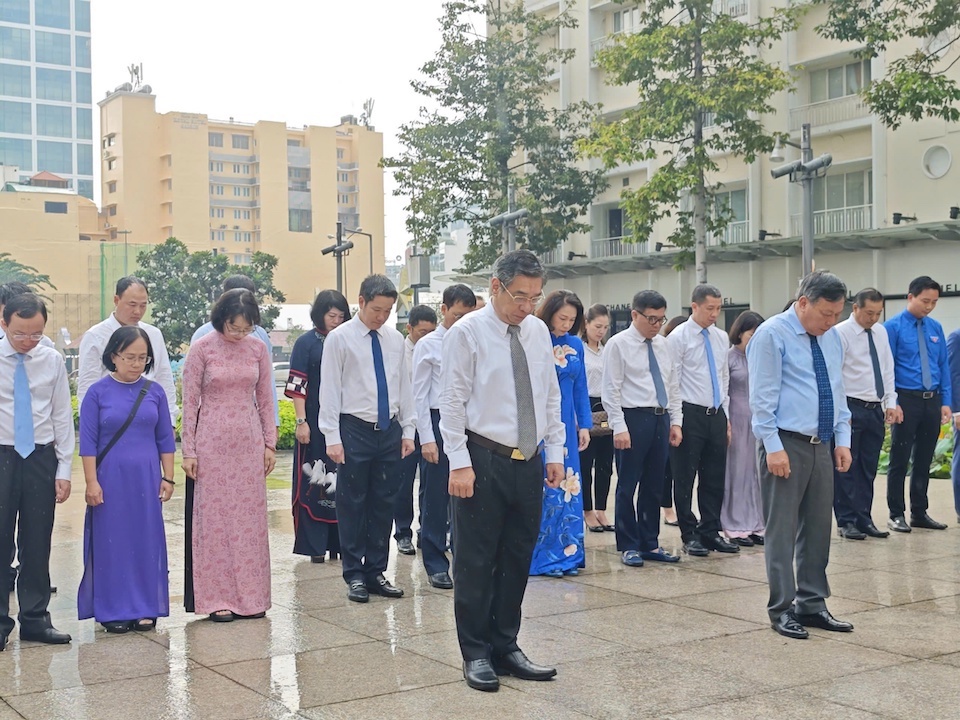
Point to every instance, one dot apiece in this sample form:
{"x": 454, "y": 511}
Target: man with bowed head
{"x": 799, "y": 405}
{"x": 500, "y": 400}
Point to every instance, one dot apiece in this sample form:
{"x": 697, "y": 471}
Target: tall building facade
{"x": 236, "y": 188}
{"x": 46, "y": 108}
{"x": 882, "y": 211}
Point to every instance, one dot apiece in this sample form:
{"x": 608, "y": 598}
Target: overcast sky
{"x": 303, "y": 62}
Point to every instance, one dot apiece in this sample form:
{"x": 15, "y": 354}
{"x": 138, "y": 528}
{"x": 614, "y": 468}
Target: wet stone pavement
{"x": 684, "y": 642}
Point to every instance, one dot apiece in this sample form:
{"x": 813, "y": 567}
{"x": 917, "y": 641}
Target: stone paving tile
{"x": 787, "y": 705}
{"x": 557, "y": 596}
{"x": 659, "y": 582}
{"x": 889, "y": 588}
{"x": 387, "y": 619}
{"x": 8, "y": 713}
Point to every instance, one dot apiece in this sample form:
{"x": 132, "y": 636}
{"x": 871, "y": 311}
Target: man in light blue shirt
{"x": 800, "y": 411}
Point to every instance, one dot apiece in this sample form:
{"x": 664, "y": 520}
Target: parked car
{"x": 281, "y": 371}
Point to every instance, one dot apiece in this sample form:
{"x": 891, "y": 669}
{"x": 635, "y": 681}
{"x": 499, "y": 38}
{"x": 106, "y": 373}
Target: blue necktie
{"x": 713, "y": 367}
{"x": 824, "y": 393}
{"x": 657, "y": 377}
{"x": 383, "y": 394}
{"x": 23, "y": 441}
{"x": 875, "y": 360}
{"x": 924, "y": 358}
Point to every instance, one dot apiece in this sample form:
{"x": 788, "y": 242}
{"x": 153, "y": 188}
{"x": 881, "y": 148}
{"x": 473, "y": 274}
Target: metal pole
{"x": 371, "y": 253}
{"x": 512, "y": 224}
{"x": 126, "y": 269}
{"x": 339, "y": 258}
{"x": 806, "y": 182}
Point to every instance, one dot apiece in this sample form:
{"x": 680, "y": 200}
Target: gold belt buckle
{"x": 517, "y": 455}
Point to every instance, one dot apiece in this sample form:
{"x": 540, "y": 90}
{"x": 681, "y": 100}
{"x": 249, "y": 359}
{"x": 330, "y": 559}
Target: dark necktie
{"x": 526, "y": 415}
{"x": 383, "y": 393}
{"x": 924, "y": 358}
{"x": 711, "y": 361}
{"x": 824, "y": 393}
{"x": 875, "y": 360}
{"x": 23, "y": 439}
{"x": 655, "y": 373}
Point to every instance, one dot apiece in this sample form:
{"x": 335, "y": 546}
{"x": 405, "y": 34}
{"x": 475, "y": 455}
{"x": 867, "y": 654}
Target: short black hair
{"x": 867, "y": 295}
{"x": 556, "y": 300}
{"x": 125, "y": 282}
{"x": 243, "y": 282}
{"x": 746, "y": 321}
{"x": 924, "y": 282}
{"x": 421, "y": 313}
{"x": 702, "y": 291}
{"x": 377, "y": 285}
{"x": 26, "y": 306}
{"x": 12, "y": 289}
{"x": 324, "y": 302}
{"x": 459, "y": 293}
{"x": 518, "y": 262}
{"x": 233, "y": 303}
{"x": 648, "y": 299}
{"x": 122, "y": 338}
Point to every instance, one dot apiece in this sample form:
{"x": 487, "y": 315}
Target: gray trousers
{"x": 798, "y": 515}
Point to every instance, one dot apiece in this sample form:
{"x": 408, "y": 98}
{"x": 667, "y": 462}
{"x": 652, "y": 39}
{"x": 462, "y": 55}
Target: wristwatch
{"x": 301, "y": 421}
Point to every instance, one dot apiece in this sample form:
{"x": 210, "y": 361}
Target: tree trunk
{"x": 700, "y": 191}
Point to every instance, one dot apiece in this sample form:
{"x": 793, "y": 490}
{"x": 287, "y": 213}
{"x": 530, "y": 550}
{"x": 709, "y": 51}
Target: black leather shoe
{"x": 925, "y": 521}
{"x": 744, "y": 541}
{"x": 517, "y": 664}
{"x": 358, "y": 592}
{"x": 479, "y": 675}
{"x": 381, "y": 586}
{"x": 719, "y": 544}
{"x": 317, "y": 559}
{"x": 788, "y": 626}
{"x": 441, "y": 580}
{"x": 405, "y": 546}
{"x": 850, "y": 532}
{"x": 757, "y": 539}
{"x": 695, "y": 548}
{"x": 3, "y": 643}
{"x": 823, "y": 620}
{"x": 898, "y": 524}
{"x": 873, "y": 531}
{"x": 50, "y": 636}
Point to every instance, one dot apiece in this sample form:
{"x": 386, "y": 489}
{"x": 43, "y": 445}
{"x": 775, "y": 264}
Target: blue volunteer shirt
{"x": 902, "y": 332}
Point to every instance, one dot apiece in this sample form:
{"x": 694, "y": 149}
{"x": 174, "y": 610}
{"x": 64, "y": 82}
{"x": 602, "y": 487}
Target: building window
{"x": 293, "y": 143}
{"x": 54, "y": 48}
{"x": 112, "y": 210}
{"x": 236, "y": 237}
{"x": 54, "y": 85}
{"x": 246, "y": 237}
{"x": 81, "y": 15}
{"x": 16, "y": 152}
{"x": 84, "y": 123}
{"x": 215, "y": 139}
{"x": 340, "y": 153}
{"x": 216, "y": 166}
{"x": 301, "y": 220}
{"x": 16, "y": 11}
{"x": 112, "y": 186}
{"x": 626, "y": 21}
{"x": 246, "y": 169}
{"x": 236, "y": 169}
{"x": 111, "y": 164}
{"x": 84, "y": 88}
{"x": 15, "y": 117}
{"x": 848, "y": 190}
{"x": 85, "y": 188}
{"x": 15, "y": 80}
{"x": 241, "y": 142}
{"x": 83, "y": 51}
{"x": 56, "y": 208}
{"x": 56, "y": 157}
{"x": 837, "y": 82}
{"x": 14, "y": 43}
{"x": 52, "y": 13}
{"x": 84, "y": 159}
{"x": 246, "y": 214}
{"x": 54, "y": 121}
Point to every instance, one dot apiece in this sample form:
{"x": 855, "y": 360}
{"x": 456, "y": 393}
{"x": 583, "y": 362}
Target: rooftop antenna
{"x": 367, "y": 112}
{"x": 136, "y": 75}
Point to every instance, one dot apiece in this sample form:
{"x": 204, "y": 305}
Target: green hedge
{"x": 942, "y": 456}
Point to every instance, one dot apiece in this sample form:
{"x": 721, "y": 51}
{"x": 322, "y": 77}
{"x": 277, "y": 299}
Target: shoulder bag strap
{"x": 126, "y": 424}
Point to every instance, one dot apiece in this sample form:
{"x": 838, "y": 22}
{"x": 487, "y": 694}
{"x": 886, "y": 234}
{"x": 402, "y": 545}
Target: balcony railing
{"x": 827, "y": 222}
{"x": 617, "y": 247}
{"x": 552, "y": 257}
{"x": 733, "y": 8}
{"x": 733, "y": 234}
{"x": 828, "y": 112}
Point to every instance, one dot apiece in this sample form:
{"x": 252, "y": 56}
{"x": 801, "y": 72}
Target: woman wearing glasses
{"x": 229, "y": 447}
{"x": 124, "y": 583}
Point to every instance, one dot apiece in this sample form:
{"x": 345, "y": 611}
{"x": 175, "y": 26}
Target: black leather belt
{"x": 922, "y": 394}
{"x": 497, "y": 449}
{"x": 372, "y": 425}
{"x": 650, "y": 410}
{"x": 812, "y": 439}
{"x": 866, "y": 404}
{"x": 702, "y": 409}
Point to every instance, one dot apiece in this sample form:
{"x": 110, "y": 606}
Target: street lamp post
{"x": 338, "y": 250}
{"x": 804, "y": 171}
{"x": 357, "y": 231}
{"x": 126, "y": 270}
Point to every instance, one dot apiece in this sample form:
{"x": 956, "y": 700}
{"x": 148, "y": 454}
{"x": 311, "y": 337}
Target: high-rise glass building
{"x": 46, "y": 109}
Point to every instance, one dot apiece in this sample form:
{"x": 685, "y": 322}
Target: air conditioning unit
{"x": 236, "y": 227}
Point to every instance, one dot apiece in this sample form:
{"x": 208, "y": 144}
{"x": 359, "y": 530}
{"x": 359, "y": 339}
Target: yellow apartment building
{"x": 237, "y": 188}
{"x": 876, "y": 173}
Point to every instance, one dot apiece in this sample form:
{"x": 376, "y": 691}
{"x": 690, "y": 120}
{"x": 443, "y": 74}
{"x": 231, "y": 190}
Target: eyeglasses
{"x": 653, "y": 320}
{"x": 522, "y": 299}
{"x": 20, "y": 337}
{"x": 135, "y": 359}
{"x": 237, "y": 332}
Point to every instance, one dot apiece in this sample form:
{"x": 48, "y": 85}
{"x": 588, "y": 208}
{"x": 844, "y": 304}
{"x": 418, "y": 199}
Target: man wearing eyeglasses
{"x": 130, "y": 305}
{"x": 499, "y": 402}
{"x": 36, "y": 452}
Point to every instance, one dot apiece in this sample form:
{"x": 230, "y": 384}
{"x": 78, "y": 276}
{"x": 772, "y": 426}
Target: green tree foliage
{"x": 488, "y": 129}
{"x": 702, "y": 88}
{"x": 916, "y": 84}
{"x": 11, "y": 270}
{"x": 183, "y": 286}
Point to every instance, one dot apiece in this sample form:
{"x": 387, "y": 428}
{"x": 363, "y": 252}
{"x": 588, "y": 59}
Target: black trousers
{"x": 596, "y": 469}
{"x": 853, "y": 490}
{"x": 666, "y": 498}
{"x": 367, "y": 486}
{"x": 638, "y": 524}
{"x": 28, "y": 494}
{"x": 494, "y": 533}
{"x": 434, "y": 484}
{"x": 702, "y": 453}
{"x": 917, "y": 434}
{"x": 403, "y": 508}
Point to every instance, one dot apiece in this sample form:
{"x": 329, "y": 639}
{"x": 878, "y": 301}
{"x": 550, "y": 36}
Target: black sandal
{"x": 118, "y": 627}
{"x": 145, "y": 624}
{"x": 255, "y": 616}
{"x": 222, "y": 616}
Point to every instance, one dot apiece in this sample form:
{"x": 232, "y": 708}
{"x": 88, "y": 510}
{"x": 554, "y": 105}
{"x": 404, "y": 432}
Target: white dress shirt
{"x": 858, "y": 380}
{"x": 427, "y": 358}
{"x": 348, "y": 381}
{"x": 94, "y": 342}
{"x": 689, "y": 349}
{"x": 478, "y": 391}
{"x": 627, "y": 382}
{"x": 49, "y": 400}
{"x": 593, "y": 362}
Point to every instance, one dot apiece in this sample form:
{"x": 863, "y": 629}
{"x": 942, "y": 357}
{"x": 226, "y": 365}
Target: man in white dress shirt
{"x": 642, "y": 400}
{"x": 368, "y": 418}
{"x": 700, "y": 349}
{"x": 458, "y": 300}
{"x": 130, "y": 305}
{"x": 868, "y": 379}
{"x": 499, "y": 401}
{"x": 36, "y": 452}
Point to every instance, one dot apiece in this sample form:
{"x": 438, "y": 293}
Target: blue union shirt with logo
{"x": 902, "y": 332}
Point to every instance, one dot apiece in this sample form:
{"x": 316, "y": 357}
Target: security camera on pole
{"x": 338, "y": 250}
